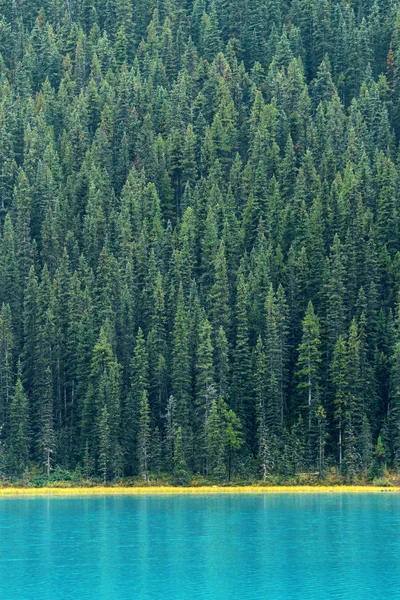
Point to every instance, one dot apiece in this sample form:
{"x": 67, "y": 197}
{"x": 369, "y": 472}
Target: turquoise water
{"x": 202, "y": 548}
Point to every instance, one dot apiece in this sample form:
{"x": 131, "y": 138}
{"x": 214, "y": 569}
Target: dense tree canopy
{"x": 199, "y": 235}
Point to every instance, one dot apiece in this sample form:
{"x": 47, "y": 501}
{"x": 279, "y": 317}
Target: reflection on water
{"x": 306, "y": 547}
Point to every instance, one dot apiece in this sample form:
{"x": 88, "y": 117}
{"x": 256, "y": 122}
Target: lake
{"x": 278, "y": 547}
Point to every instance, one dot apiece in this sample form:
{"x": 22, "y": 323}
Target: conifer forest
{"x": 200, "y": 239}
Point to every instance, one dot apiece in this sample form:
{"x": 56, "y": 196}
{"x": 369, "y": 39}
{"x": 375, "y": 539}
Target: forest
{"x": 200, "y": 239}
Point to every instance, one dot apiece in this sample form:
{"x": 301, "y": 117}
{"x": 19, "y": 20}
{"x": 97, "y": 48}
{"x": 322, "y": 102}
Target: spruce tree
{"x": 320, "y": 415}
{"x": 180, "y": 465}
{"x": 218, "y": 298}
{"x": 104, "y": 444}
{"x": 205, "y": 376}
{"x": 6, "y": 362}
{"x": 144, "y": 436}
{"x": 274, "y": 373}
{"x": 215, "y": 443}
{"x": 241, "y": 367}
{"x": 180, "y": 375}
{"x": 308, "y": 363}
{"x": 139, "y": 384}
{"x": 18, "y": 439}
{"x": 339, "y": 381}
{"x": 47, "y": 440}
{"x": 222, "y": 366}
{"x": 233, "y": 435}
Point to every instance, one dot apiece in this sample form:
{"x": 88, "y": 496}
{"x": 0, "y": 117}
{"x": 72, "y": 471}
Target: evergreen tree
{"x": 200, "y": 200}
{"x": 180, "y": 466}
{"x": 233, "y": 436}
{"x": 11, "y": 291}
{"x": 215, "y": 443}
{"x": 309, "y": 360}
{"x": 18, "y": 441}
{"x": 139, "y": 385}
{"x": 222, "y": 367}
{"x": 144, "y": 436}
{"x": 103, "y": 390}
{"x": 276, "y": 360}
{"x": 320, "y": 414}
{"x": 339, "y": 380}
{"x": 104, "y": 444}
{"x": 6, "y": 362}
{"x": 218, "y": 299}
{"x": 335, "y": 293}
{"x": 379, "y": 459}
{"x": 47, "y": 440}
{"x": 181, "y": 376}
{"x": 205, "y": 379}
{"x": 241, "y": 375}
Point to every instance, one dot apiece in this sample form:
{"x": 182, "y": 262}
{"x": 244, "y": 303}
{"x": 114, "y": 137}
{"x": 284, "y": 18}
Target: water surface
{"x": 277, "y": 547}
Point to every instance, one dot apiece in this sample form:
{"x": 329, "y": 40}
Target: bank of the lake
{"x": 171, "y": 490}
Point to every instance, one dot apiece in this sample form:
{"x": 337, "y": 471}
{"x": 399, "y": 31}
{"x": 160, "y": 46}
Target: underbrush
{"x": 63, "y": 478}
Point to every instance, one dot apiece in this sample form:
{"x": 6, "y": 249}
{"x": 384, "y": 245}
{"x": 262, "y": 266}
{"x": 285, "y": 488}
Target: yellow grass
{"x": 138, "y": 491}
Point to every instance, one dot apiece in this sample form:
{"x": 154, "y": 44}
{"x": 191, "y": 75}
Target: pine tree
{"x": 218, "y": 299}
{"x": 274, "y": 368}
{"x": 30, "y": 322}
{"x": 210, "y": 40}
{"x": 181, "y": 376}
{"x": 180, "y": 465}
{"x": 335, "y": 293}
{"x": 139, "y": 384}
{"x": 104, "y": 444}
{"x": 11, "y": 291}
{"x": 205, "y": 379}
{"x": 233, "y": 436}
{"x": 241, "y": 372}
{"x": 47, "y": 439}
{"x": 157, "y": 344}
{"x": 103, "y": 390}
{"x": 351, "y": 456}
{"x": 353, "y": 378}
{"x": 379, "y": 459}
{"x": 124, "y": 18}
{"x": 156, "y": 452}
{"x": 87, "y": 463}
{"x": 260, "y": 393}
{"x": 320, "y": 415}
{"x": 338, "y": 376}
{"x": 18, "y": 440}
{"x": 144, "y": 435}
{"x": 24, "y": 247}
{"x": 222, "y": 367}
{"x": 171, "y": 429}
{"x": 309, "y": 360}
{"x": 366, "y": 444}
{"x": 6, "y": 362}
{"x": 215, "y": 443}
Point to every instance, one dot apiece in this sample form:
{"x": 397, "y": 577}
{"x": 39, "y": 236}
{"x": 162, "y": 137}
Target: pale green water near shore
{"x": 284, "y": 547}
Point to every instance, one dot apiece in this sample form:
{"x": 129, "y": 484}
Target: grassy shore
{"x": 169, "y": 490}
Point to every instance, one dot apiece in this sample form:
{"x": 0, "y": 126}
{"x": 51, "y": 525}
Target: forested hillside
{"x": 200, "y": 237}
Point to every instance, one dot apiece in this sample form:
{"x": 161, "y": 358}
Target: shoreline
{"x": 204, "y": 490}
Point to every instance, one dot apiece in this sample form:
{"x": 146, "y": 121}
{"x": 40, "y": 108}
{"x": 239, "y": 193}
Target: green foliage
{"x": 309, "y": 359}
{"x": 379, "y": 460}
{"x": 104, "y": 444}
{"x": 224, "y": 439}
{"x": 144, "y": 436}
{"x": 200, "y": 250}
{"x": 18, "y": 440}
{"x": 180, "y": 466}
